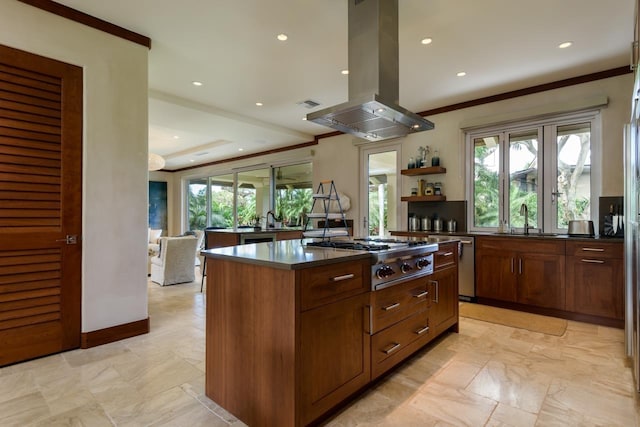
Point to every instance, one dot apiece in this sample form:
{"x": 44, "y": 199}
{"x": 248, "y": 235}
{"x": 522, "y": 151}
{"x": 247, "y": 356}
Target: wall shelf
{"x": 423, "y": 171}
{"x": 423, "y": 198}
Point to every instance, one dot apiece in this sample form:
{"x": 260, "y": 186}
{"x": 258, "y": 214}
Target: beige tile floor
{"x": 487, "y": 375}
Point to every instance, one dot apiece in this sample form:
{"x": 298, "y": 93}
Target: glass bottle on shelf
{"x": 412, "y": 163}
{"x": 435, "y": 160}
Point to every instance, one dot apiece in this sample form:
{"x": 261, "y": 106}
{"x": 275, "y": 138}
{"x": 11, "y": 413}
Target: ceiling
{"x": 231, "y": 47}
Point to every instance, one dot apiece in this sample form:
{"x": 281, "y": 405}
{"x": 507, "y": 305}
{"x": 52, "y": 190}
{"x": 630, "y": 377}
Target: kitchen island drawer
{"x": 445, "y": 255}
{"x": 595, "y": 249}
{"x": 397, "y": 342}
{"x": 398, "y": 302}
{"x": 333, "y": 282}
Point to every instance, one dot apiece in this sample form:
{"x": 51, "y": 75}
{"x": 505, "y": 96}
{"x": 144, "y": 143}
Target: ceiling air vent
{"x": 309, "y": 103}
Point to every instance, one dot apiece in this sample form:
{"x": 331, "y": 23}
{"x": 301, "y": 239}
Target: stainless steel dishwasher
{"x": 466, "y": 270}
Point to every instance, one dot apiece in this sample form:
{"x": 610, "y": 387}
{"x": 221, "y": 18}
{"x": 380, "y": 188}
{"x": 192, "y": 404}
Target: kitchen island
{"x": 294, "y": 331}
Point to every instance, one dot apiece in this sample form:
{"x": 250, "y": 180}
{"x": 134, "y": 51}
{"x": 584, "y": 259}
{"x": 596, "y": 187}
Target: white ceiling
{"x": 231, "y": 47}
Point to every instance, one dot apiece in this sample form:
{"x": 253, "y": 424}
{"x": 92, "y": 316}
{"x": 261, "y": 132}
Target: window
{"x": 294, "y": 191}
{"x": 221, "y": 195}
{"x": 544, "y": 166}
{"x": 238, "y": 199}
{"x": 197, "y": 204}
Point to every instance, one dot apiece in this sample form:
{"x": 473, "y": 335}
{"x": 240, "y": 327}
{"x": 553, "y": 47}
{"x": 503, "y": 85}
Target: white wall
{"x": 115, "y": 176}
{"x": 338, "y": 159}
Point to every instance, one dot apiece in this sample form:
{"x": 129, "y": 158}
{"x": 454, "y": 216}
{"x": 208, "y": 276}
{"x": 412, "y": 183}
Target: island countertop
{"x": 284, "y": 254}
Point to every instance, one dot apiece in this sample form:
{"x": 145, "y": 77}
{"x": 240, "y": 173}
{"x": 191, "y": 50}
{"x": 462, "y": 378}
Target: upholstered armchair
{"x": 176, "y": 261}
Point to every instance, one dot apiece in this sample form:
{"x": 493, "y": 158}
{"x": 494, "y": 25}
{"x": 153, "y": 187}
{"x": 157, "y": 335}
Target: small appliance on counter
{"x": 581, "y": 228}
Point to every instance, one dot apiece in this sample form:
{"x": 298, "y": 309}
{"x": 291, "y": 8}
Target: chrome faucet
{"x": 525, "y": 211}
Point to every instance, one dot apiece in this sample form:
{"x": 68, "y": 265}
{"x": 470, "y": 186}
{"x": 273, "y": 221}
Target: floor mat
{"x": 515, "y": 319}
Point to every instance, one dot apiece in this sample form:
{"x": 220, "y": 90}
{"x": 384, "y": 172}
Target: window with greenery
{"x": 250, "y": 192}
{"x": 510, "y": 165}
{"x": 221, "y": 190}
{"x": 197, "y": 204}
{"x": 293, "y": 195}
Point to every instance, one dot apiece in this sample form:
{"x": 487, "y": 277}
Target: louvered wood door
{"x": 40, "y": 204}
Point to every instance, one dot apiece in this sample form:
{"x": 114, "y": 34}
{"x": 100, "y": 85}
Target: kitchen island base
{"x": 287, "y": 346}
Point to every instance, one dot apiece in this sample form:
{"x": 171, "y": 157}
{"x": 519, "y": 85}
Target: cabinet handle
{"x": 519, "y": 265}
{"x": 422, "y": 331}
{"x": 512, "y": 261}
{"x": 593, "y": 261}
{"x": 344, "y": 277}
{"x": 447, "y": 254}
{"x": 392, "y": 306}
{"x": 437, "y": 293}
{"x": 393, "y": 348}
{"x": 593, "y": 249}
{"x": 421, "y": 294}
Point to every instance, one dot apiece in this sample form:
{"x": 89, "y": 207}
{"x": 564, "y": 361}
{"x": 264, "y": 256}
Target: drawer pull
{"x": 447, "y": 254}
{"x": 421, "y": 294}
{"x": 593, "y": 249}
{"x": 341, "y": 278}
{"x": 422, "y": 331}
{"x": 593, "y": 261}
{"x": 437, "y": 293}
{"x": 392, "y": 306}
{"x": 393, "y": 348}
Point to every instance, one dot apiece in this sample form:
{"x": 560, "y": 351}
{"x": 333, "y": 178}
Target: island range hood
{"x": 372, "y": 112}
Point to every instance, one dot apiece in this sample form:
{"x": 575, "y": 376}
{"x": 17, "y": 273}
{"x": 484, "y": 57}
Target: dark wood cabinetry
{"x": 443, "y": 289}
{"x": 335, "y": 349}
{"x": 524, "y": 271}
{"x": 284, "y": 346}
{"x": 595, "y": 279}
{"x": 575, "y": 279}
{"x": 400, "y": 323}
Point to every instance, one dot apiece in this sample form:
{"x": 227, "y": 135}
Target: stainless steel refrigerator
{"x": 632, "y": 233}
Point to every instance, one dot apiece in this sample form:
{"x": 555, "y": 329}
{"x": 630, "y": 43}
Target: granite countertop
{"x": 508, "y": 235}
{"x": 251, "y": 230}
{"x": 285, "y": 254}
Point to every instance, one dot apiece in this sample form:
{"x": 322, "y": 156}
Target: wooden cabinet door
{"x": 495, "y": 275}
{"x": 541, "y": 280}
{"x": 335, "y": 354}
{"x": 595, "y": 287}
{"x": 443, "y": 292}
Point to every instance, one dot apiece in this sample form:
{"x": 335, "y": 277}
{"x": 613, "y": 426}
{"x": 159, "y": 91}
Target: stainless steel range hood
{"x": 372, "y": 112}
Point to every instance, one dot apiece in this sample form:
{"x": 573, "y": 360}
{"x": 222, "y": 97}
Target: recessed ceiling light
{"x": 426, "y": 40}
{"x": 461, "y": 74}
{"x": 176, "y": 137}
{"x": 259, "y": 104}
{"x": 191, "y": 160}
{"x": 240, "y": 149}
{"x": 565, "y": 45}
{"x": 282, "y": 37}
{"x": 345, "y": 72}
{"x": 196, "y": 83}
{"x": 304, "y": 118}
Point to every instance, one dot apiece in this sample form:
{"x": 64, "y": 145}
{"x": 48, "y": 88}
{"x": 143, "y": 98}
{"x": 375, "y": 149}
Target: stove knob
{"x": 405, "y": 267}
{"x": 384, "y": 271}
{"x": 422, "y": 263}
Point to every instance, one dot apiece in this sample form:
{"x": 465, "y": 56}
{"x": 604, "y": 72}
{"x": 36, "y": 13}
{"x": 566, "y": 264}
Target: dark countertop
{"x": 251, "y": 230}
{"x": 565, "y": 237}
{"x": 285, "y": 254}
